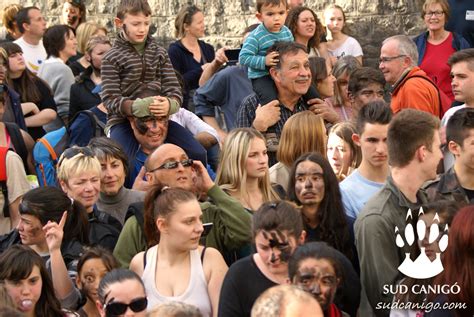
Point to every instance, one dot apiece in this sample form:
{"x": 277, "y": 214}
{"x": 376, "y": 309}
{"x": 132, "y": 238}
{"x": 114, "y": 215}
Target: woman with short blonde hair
{"x": 79, "y": 177}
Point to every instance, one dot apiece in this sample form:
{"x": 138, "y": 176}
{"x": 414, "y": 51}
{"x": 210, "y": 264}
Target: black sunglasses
{"x": 173, "y": 165}
{"x": 73, "y": 151}
{"x": 116, "y": 308}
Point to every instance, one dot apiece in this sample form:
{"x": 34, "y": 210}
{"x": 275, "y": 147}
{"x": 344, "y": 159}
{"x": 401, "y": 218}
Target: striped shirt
{"x": 255, "y": 48}
{"x": 127, "y": 75}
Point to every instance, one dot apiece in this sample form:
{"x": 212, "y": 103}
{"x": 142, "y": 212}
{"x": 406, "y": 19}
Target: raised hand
{"x": 54, "y": 233}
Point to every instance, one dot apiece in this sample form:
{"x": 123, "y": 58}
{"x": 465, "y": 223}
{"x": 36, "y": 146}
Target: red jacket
{"x": 416, "y": 93}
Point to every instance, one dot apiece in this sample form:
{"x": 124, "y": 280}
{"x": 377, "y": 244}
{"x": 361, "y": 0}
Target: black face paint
{"x": 142, "y": 125}
{"x": 278, "y": 239}
{"x": 73, "y": 19}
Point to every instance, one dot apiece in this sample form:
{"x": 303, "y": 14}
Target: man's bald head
{"x": 181, "y": 176}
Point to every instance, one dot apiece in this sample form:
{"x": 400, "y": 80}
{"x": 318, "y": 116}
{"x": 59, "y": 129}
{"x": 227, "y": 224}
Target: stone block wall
{"x": 370, "y": 21}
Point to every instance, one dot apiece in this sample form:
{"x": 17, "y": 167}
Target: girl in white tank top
{"x": 176, "y": 269}
{"x": 196, "y": 293}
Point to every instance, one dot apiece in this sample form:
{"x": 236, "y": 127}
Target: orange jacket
{"x": 415, "y": 93}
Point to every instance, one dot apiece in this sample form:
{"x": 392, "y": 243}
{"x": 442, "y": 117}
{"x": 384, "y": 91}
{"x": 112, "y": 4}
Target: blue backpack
{"x": 46, "y": 153}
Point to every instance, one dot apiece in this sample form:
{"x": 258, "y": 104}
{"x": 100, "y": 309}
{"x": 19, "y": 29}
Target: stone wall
{"x": 370, "y": 21}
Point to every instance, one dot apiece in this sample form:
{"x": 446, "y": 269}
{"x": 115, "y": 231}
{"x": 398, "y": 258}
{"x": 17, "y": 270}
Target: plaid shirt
{"x": 246, "y": 113}
{"x": 446, "y": 187}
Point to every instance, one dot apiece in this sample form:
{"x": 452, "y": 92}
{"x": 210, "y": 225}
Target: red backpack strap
{"x": 3, "y": 163}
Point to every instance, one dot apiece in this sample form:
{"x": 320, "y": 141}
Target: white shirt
{"x": 34, "y": 55}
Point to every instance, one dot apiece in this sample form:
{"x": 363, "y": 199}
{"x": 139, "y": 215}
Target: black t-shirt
{"x": 469, "y": 194}
{"x": 242, "y": 285}
{"x": 46, "y": 102}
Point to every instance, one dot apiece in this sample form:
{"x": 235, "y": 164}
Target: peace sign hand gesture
{"x": 54, "y": 233}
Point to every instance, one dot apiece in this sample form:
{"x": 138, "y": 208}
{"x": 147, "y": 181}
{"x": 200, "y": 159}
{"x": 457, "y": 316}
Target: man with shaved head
{"x": 171, "y": 166}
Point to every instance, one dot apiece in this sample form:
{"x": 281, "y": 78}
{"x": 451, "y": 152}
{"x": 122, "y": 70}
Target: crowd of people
{"x": 290, "y": 180}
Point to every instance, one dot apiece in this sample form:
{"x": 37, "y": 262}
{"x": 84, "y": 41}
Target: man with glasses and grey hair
{"x": 411, "y": 87}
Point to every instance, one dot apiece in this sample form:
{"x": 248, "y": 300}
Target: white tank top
{"x": 195, "y": 294}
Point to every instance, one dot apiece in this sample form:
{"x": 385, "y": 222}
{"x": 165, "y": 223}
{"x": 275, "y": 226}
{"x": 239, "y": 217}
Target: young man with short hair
{"x": 457, "y": 183}
{"x": 32, "y": 26}
{"x": 462, "y": 82}
{"x": 366, "y": 84}
{"x": 462, "y": 74}
{"x": 369, "y": 177}
{"x": 414, "y": 154}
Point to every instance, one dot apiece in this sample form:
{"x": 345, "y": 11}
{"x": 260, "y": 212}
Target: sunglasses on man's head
{"x": 173, "y": 164}
{"x": 116, "y": 308}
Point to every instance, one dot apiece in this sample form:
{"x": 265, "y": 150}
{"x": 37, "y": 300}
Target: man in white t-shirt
{"x": 32, "y": 26}
{"x": 462, "y": 83}
{"x": 369, "y": 177}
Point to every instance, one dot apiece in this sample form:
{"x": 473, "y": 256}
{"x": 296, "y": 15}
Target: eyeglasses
{"x": 116, "y": 308}
{"x": 437, "y": 14}
{"x": 173, "y": 165}
{"x": 389, "y": 59}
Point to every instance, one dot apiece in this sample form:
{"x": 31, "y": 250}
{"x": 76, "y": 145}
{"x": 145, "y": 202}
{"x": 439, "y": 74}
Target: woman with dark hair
{"x": 42, "y": 205}
{"x": 122, "y": 291}
{"x": 28, "y": 283}
{"x": 10, "y": 98}
{"x": 60, "y": 44}
{"x": 328, "y": 275}
{"x": 322, "y": 77}
{"x": 277, "y": 229}
{"x": 307, "y": 30}
{"x": 37, "y": 102}
{"x": 92, "y": 266}
{"x": 343, "y": 154}
{"x": 73, "y": 13}
{"x": 114, "y": 198}
{"x": 175, "y": 267}
{"x": 458, "y": 263}
{"x": 314, "y": 186}
{"x": 188, "y": 54}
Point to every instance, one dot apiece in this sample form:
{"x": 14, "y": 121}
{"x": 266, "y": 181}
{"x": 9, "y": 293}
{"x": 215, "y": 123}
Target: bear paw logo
{"x": 422, "y": 267}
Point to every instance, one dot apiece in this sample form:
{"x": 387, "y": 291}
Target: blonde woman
{"x": 79, "y": 176}
{"x": 84, "y": 32}
{"x": 243, "y": 171}
{"x": 309, "y": 130}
